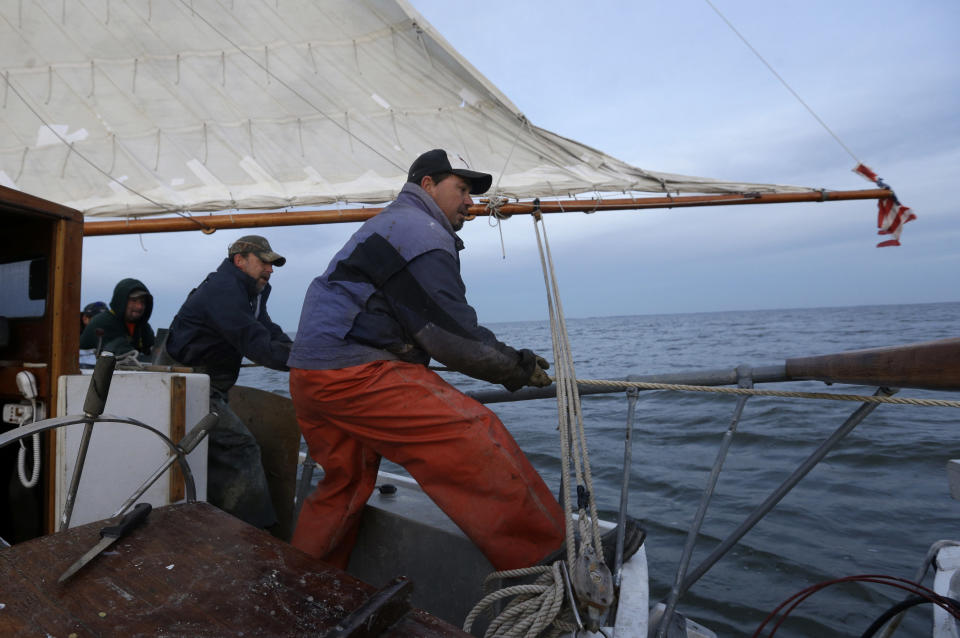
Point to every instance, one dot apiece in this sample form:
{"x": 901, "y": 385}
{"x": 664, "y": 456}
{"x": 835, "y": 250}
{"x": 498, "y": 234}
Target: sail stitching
{"x": 288, "y": 87}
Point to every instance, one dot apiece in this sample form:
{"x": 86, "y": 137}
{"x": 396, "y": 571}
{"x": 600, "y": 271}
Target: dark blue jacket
{"x": 224, "y": 320}
{"x": 394, "y": 292}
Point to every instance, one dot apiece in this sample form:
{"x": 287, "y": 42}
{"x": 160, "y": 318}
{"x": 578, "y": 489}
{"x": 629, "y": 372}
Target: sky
{"x": 667, "y": 86}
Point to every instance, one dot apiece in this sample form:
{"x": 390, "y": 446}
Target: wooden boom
{"x": 210, "y": 223}
{"x": 933, "y": 365}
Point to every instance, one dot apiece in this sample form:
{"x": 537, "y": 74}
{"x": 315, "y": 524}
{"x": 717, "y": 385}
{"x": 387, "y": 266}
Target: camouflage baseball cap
{"x": 257, "y": 245}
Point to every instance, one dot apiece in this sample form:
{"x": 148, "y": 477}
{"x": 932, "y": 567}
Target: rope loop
{"x": 494, "y": 206}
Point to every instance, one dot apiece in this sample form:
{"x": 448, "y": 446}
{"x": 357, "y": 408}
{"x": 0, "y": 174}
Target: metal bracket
{"x": 384, "y": 608}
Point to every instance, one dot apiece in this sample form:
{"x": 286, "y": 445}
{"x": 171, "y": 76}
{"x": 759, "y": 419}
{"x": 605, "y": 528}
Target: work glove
{"x": 539, "y": 378}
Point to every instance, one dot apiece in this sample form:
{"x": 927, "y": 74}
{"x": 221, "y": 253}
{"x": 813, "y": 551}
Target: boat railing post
{"x": 744, "y": 380}
{"x": 632, "y": 394}
{"x": 93, "y": 407}
{"x": 852, "y": 421}
{"x": 304, "y": 485}
{"x": 921, "y": 572}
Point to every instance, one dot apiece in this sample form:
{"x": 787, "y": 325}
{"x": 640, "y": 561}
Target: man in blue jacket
{"x": 223, "y": 320}
{"x": 391, "y": 300}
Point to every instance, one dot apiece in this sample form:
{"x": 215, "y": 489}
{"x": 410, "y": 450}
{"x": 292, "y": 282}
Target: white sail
{"x": 138, "y": 107}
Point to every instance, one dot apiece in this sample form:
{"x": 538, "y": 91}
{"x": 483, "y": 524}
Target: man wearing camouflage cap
{"x": 223, "y": 320}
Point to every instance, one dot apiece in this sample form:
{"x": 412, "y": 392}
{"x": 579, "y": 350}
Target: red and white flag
{"x": 866, "y": 171}
{"x": 891, "y": 214}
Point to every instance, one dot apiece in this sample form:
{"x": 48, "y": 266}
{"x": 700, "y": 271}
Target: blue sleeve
{"x": 429, "y": 299}
{"x": 232, "y": 318}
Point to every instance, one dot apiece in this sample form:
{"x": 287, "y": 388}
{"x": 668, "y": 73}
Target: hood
{"x": 118, "y": 304}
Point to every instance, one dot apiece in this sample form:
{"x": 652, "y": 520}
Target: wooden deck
{"x": 189, "y": 570}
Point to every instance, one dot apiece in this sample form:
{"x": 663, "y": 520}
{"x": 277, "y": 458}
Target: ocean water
{"x": 873, "y": 506}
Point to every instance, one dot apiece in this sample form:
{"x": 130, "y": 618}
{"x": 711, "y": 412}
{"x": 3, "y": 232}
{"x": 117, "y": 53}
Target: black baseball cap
{"x": 435, "y": 161}
{"x": 94, "y": 308}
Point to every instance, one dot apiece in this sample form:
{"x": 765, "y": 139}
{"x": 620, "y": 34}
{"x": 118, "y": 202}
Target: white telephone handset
{"x": 27, "y": 384}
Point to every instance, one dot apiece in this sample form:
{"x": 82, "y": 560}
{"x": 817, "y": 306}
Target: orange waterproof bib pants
{"x": 457, "y": 450}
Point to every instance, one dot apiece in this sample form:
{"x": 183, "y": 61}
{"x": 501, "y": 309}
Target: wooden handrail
{"x": 933, "y": 365}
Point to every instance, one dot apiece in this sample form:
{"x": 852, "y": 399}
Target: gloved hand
{"x": 539, "y": 378}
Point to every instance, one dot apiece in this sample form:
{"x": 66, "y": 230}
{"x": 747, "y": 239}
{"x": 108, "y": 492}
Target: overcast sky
{"x": 668, "y": 86}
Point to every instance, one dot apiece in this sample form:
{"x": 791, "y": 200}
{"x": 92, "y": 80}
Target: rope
{"x": 537, "y": 610}
{"x": 129, "y": 361}
{"x": 534, "y": 609}
{"x": 496, "y": 201}
{"x": 494, "y": 204}
{"x": 942, "y": 403}
{"x": 568, "y": 404}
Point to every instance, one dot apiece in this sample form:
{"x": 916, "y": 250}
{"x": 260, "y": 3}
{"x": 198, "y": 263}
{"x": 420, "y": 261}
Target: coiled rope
{"x": 535, "y": 608}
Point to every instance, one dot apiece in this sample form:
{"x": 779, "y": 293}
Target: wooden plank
{"x": 272, "y": 420}
{"x": 178, "y": 429}
{"x": 12, "y": 200}
{"x": 63, "y": 310}
{"x": 189, "y": 570}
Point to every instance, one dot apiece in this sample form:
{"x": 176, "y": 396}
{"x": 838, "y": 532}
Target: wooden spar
{"x": 932, "y": 365}
{"x": 211, "y": 223}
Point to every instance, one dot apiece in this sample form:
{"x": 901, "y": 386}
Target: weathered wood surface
{"x": 189, "y": 570}
{"x": 934, "y": 365}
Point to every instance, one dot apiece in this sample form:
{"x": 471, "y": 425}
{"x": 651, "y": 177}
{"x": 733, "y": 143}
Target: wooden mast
{"x": 211, "y": 223}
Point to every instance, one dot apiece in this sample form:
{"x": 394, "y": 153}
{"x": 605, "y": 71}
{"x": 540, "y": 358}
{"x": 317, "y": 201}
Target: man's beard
{"x": 458, "y": 224}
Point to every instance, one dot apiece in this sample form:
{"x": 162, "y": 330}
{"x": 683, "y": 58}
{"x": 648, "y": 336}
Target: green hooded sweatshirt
{"x": 117, "y": 336}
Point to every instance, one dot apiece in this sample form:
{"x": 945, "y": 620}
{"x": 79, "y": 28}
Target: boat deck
{"x": 189, "y": 570}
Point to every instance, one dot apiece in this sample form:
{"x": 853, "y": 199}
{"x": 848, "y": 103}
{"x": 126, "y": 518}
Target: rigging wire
{"x": 784, "y": 82}
{"x": 72, "y": 149}
{"x": 864, "y": 398}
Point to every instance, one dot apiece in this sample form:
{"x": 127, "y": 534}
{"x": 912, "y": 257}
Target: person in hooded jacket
{"x": 125, "y": 324}
{"x": 223, "y": 320}
{"x": 391, "y": 299}
{"x": 90, "y": 311}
